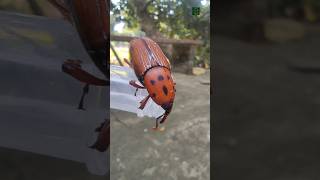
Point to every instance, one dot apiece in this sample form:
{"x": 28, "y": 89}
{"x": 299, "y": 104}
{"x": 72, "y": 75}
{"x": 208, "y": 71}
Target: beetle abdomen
{"x": 146, "y": 54}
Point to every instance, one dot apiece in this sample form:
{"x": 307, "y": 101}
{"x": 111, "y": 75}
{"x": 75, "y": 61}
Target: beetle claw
{"x": 84, "y": 92}
{"x": 158, "y": 129}
{"x": 103, "y": 140}
{"x": 135, "y": 94}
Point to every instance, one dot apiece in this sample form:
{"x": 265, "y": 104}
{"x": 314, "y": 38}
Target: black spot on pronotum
{"x": 165, "y": 90}
{"x": 154, "y": 95}
{"x": 152, "y": 82}
{"x": 160, "y": 78}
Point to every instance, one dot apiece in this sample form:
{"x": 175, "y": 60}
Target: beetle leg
{"x": 73, "y": 68}
{"x": 84, "y": 92}
{"x": 160, "y": 116}
{"x": 134, "y": 84}
{"x": 135, "y": 93}
{"x": 103, "y": 140}
{"x": 164, "y": 118}
{"x": 157, "y": 125}
{"x": 144, "y": 102}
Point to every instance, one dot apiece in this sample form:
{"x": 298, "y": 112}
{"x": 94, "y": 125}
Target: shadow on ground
{"x": 266, "y": 115}
{"x": 18, "y": 165}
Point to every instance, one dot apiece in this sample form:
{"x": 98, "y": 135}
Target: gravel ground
{"x": 179, "y": 152}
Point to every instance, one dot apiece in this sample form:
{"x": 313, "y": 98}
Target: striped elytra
{"x": 153, "y": 70}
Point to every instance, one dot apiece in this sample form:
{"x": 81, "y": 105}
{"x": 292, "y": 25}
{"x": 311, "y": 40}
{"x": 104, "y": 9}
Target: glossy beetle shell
{"x": 145, "y": 54}
{"x": 153, "y": 70}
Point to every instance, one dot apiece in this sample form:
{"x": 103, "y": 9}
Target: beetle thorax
{"x": 160, "y": 85}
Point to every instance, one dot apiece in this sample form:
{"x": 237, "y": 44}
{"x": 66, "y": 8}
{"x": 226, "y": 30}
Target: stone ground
{"x": 180, "y": 152}
{"x": 137, "y": 152}
{"x": 266, "y": 115}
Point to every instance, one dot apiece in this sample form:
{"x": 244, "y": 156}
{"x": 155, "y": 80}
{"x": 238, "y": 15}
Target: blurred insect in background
{"x": 91, "y": 18}
{"x": 153, "y": 70}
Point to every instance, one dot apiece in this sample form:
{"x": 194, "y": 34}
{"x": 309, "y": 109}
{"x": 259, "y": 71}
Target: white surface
{"x": 122, "y": 93}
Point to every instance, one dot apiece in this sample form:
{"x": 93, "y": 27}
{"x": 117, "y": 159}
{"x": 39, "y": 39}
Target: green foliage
{"x": 172, "y": 18}
{"x": 123, "y": 12}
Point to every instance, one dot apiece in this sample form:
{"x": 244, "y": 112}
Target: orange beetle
{"x": 153, "y": 70}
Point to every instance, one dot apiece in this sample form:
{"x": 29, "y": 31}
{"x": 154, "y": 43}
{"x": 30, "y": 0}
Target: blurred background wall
{"x": 253, "y": 20}
{"x": 266, "y": 89}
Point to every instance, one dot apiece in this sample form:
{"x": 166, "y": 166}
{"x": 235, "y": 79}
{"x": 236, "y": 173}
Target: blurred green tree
{"x": 167, "y": 18}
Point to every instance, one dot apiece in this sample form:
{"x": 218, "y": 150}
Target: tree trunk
{"x": 178, "y": 55}
{"x": 147, "y": 23}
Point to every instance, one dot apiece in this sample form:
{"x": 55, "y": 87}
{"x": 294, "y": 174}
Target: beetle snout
{"x": 167, "y": 106}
